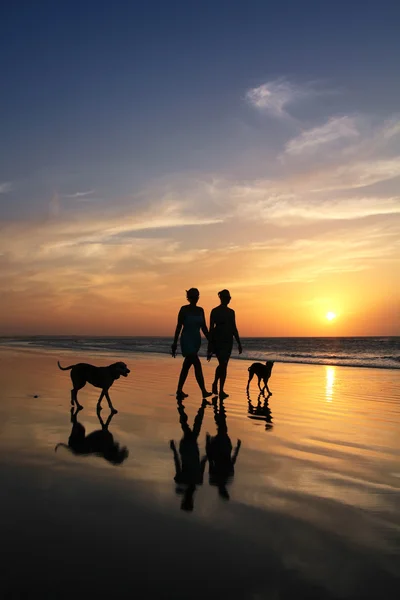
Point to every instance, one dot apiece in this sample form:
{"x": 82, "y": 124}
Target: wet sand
{"x": 313, "y": 508}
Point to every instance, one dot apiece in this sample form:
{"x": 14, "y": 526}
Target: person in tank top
{"x": 191, "y": 321}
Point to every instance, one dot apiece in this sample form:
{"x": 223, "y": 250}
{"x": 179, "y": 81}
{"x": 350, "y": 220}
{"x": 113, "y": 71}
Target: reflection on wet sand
{"x": 330, "y": 380}
{"x": 261, "y": 411}
{"x": 99, "y": 442}
{"x": 188, "y": 465}
{"x": 219, "y": 452}
{"x": 317, "y": 499}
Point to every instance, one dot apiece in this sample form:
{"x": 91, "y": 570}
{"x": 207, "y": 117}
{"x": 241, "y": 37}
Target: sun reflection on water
{"x": 330, "y": 380}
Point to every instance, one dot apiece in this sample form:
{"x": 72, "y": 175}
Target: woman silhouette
{"x": 222, "y": 331}
{"x": 190, "y": 320}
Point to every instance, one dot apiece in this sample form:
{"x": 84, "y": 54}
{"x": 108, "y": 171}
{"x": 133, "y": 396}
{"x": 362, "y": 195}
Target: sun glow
{"x": 330, "y": 316}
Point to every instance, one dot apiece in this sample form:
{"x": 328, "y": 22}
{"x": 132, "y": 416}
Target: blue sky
{"x": 239, "y": 122}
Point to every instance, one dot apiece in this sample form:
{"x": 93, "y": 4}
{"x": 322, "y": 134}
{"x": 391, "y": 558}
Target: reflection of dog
{"x": 261, "y": 412}
{"x": 100, "y": 377}
{"x": 263, "y": 372}
{"x": 100, "y": 442}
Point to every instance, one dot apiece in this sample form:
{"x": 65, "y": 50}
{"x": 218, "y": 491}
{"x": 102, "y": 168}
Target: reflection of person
{"x": 222, "y": 331}
{"x": 188, "y": 466}
{"x": 190, "y": 320}
{"x": 100, "y": 442}
{"x": 219, "y": 453}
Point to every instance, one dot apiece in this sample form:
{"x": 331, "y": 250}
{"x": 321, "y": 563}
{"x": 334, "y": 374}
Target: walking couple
{"x": 223, "y": 329}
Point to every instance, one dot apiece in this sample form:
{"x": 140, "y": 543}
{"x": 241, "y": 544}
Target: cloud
{"x": 275, "y": 96}
{"x": 286, "y": 210}
{"x": 357, "y": 175}
{"x": 80, "y": 194}
{"x": 391, "y": 129}
{"x": 5, "y": 187}
{"x": 333, "y": 130}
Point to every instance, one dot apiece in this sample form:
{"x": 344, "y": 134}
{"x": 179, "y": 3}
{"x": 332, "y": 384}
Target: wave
{"x": 350, "y": 352}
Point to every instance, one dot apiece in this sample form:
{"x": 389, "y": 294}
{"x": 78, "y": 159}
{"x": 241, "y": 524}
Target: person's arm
{"x": 210, "y": 348}
{"x": 178, "y": 468}
{"x": 236, "y": 334}
{"x": 236, "y": 452}
{"x": 177, "y": 332}
{"x": 203, "y": 326}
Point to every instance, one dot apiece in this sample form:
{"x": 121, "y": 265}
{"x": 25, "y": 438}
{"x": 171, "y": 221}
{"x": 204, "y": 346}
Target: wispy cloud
{"x": 275, "y": 96}
{"x": 333, "y": 130}
{"x": 80, "y": 194}
{"x": 357, "y": 175}
{"x": 5, "y": 187}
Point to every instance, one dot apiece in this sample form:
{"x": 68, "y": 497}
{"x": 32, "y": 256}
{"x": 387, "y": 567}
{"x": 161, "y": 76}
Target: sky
{"x": 150, "y": 147}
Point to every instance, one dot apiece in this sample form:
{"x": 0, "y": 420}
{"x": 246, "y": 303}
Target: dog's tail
{"x": 64, "y": 368}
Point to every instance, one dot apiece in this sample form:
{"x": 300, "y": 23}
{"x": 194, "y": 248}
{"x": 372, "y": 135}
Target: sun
{"x": 330, "y": 315}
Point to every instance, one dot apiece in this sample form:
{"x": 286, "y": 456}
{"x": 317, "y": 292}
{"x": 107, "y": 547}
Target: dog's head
{"x": 269, "y": 364}
{"x": 118, "y": 369}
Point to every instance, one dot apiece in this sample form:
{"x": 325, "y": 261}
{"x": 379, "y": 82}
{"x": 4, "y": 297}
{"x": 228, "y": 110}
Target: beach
{"x": 313, "y": 507}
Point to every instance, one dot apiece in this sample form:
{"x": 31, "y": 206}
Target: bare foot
{"x": 223, "y": 395}
{"x": 180, "y": 395}
{"x": 207, "y": 394}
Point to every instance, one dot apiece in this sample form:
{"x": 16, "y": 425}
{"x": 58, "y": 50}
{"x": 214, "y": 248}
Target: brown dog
{"x": 100, "y": 377}
{"x": 263, "y": 372}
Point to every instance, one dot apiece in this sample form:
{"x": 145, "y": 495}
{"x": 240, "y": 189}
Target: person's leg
{"x": 187, "y": 363}
{"x": 223, "y": 365}
{"x": 199, "y": 376}
{"x": 215, "y": 382}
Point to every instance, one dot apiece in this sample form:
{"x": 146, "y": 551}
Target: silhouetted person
{"x": 261, "y": 412}
{"x": 219, "y": 453}
{"x": 190, "y": 320}
{"x": 222, "y": 331}
{"x": 188, "y": 465}
{"x": 100, "y": 442}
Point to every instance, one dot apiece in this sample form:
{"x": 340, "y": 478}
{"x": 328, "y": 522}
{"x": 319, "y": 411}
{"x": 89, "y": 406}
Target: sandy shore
{"x": 314, "y": 494}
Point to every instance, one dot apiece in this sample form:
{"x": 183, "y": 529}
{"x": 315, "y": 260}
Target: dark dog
{"x": 100, "y": 377}
{"x": 263, "y": 372}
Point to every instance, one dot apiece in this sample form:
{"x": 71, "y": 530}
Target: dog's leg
{"x": 99, "y": 407}
{"x": 74, "y": 399}
{"x": 268, "y": 390}
{"x": 113, "y": 410}
{"x": 251, "y": 375}
{"x": 259, "y": 380}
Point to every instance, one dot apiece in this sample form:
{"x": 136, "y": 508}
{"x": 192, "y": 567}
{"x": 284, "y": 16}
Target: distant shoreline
{"x": 372, "y": 352}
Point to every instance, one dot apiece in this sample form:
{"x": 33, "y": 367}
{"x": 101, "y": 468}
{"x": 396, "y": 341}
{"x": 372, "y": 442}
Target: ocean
{"x": 372, "y": 352}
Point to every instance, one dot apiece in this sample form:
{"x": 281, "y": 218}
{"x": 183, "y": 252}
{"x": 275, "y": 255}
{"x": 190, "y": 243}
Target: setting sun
{"x": 330, "y": 316}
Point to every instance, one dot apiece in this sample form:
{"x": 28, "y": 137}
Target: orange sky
{"x": 58, "y": 281}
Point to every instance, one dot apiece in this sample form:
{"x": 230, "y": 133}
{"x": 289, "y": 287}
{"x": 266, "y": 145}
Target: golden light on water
{"x": 330, "y": 380}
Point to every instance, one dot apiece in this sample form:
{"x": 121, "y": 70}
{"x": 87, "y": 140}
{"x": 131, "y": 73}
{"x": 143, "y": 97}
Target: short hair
{"x": 192, "y": 293}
